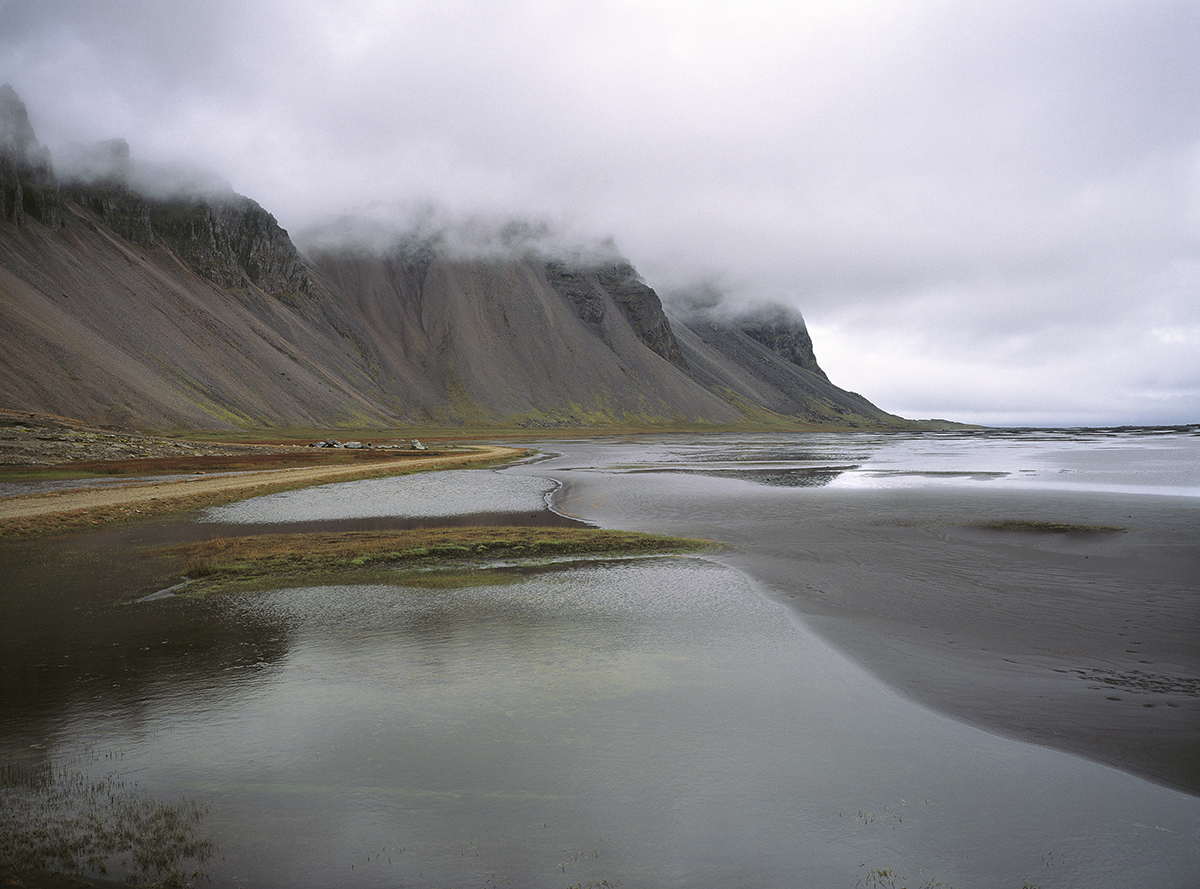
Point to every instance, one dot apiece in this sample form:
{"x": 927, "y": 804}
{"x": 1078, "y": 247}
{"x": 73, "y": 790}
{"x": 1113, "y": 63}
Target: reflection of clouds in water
{"x": 423, "y": 495}
{"x": 1117, "y": 461}
{"x": 878, "y": 478}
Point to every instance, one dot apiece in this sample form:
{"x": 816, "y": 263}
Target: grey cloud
{"x": 1002, "y": 198}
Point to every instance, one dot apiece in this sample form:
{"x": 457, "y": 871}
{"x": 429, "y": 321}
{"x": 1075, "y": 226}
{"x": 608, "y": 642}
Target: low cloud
{"x": 1001, "y": 198}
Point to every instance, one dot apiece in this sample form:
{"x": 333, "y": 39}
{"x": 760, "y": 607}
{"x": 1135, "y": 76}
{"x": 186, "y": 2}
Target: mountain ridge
{"x": 182, "y": 309}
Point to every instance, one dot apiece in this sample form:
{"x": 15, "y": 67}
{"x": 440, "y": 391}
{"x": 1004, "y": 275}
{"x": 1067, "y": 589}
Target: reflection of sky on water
{"x": 779, "y": 476}
{"x": 1139, "y": 461}
{"x": 421, "y": 495}
{"x": 661, "y": 714}
{"x": 657, "y": 715}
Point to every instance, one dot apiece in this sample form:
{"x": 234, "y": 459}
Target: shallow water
{"x": 1137, "y": 461}
{"x": 41, "y": 486}
{"x": 422, "y": 495}
{"x": 1054, "y": 638}
{"x": 651, "y": 722}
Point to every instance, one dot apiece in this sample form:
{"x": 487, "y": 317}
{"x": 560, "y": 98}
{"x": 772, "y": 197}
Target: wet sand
{"x": 1086, "y": 642}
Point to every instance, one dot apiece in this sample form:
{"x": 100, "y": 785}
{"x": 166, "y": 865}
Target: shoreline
{"x": 35, "y": 515}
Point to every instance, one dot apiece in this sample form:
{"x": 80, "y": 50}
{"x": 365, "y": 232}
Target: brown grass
{"x": 223, "y": 559}
{"x": 1048, "y": 527}
{"x": 188, "y": 464}
{"x": 70, "y": 520}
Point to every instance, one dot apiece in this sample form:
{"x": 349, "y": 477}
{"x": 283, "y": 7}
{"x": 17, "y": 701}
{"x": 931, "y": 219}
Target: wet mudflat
{"x": 650, "y": 722}
{"x": 1039, "y": 584}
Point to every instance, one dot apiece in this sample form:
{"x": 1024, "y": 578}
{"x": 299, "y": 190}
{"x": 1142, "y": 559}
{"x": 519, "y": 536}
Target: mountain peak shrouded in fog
{"x": 112, "y": 162}
{"x": 165, "y": 304}
{"x": 383, "y": 228}
{"x": 985, "y": 210}
{"x": 17, "y": 139}
{"x": 27, "y": 183}
{"x": 108, "y": 161}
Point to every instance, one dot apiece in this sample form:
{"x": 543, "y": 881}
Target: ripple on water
{"x": 423, "y": 495}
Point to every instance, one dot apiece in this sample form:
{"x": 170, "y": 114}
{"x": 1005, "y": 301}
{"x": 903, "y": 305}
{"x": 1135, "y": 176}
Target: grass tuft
{"x": 65, "y": 821}
{"x": 249, "y": 560}
{"x": 1048, "y": 527}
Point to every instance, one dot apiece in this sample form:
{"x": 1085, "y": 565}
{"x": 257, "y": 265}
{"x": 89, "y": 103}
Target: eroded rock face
{"x": 575, "y": 285}
{"x": 122, "y": 210}
{"x": 28, "y": 186}
{"x": 643, "y": 308}
{"x": 264, "y": 250}
{"x": 232, "y": 243}
{"x": 585, "y": 286}
{"x": 785, "y": 334}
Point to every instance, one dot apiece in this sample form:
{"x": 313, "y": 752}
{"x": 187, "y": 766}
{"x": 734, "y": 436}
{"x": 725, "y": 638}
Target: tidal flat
{"x": 780, "y": 712}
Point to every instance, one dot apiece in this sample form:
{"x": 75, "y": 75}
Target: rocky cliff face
{"x": 27, "y": 183}
{"x": 784, "y": 333}
{"x": 586, "y": 285}
{"x": 233, "y": 242}
{"x": 100, "y": 182}
{"x": 178, "y": 309}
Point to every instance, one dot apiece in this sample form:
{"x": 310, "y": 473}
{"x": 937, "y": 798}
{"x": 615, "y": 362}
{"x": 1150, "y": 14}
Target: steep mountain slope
{"x": 779, "y": 374}
{"x": 97, "y": 328}
{"x": 496, "y": 340}
{"x": 188, "y": 309}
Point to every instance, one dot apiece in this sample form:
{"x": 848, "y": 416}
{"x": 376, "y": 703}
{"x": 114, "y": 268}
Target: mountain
{"x": 172, "y": 302}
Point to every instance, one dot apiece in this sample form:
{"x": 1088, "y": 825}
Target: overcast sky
{"x": 986, "y": 211}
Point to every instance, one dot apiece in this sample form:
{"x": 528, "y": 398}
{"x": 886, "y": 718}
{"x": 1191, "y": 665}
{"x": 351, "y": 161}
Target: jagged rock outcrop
{"x": 233, "y": 242}
{"x": 28, "y": 186}
{"x": 585, "y": 287}
{"x": 784, "y": 333}
{"x": 264, "y": 250}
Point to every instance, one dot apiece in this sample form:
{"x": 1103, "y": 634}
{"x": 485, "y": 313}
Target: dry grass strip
{"x": 284, "y": 555}
{"x": 50, "y": 514}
